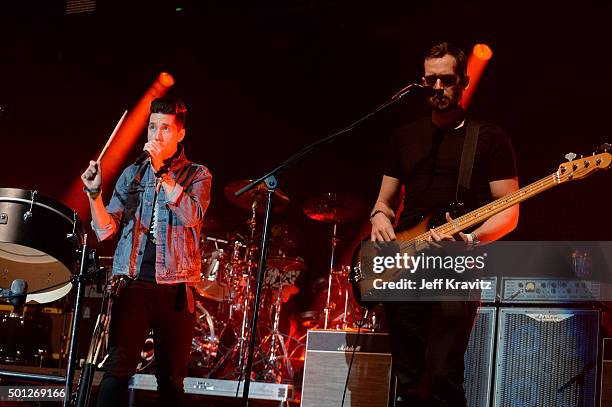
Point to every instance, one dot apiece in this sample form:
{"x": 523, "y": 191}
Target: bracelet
{"x": 376, "y": 212}
{"x": 92, "y": 192}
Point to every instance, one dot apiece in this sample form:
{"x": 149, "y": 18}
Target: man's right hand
{"x": 382, "y": 229}
{"x": 92, "y": 177}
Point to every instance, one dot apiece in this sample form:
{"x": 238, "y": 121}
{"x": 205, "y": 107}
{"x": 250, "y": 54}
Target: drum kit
{"x": 40, "y": 241}
{"x": 227, "y": 284}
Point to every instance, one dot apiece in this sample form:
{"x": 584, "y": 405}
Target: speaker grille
{"x": 328, "y": 355}
{"x": 478, "y": 359}
{"x": 546, "y": 357}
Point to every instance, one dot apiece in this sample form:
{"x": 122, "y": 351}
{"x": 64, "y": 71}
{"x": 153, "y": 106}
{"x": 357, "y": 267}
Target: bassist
{"x": 429, "y": 339}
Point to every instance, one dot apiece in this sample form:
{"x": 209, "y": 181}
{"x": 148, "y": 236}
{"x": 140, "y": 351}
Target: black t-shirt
{"x": 147, "y": 267}
{"x": 426, "y": 159}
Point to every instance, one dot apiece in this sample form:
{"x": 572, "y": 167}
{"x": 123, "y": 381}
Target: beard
{"x": 442, "y": 103}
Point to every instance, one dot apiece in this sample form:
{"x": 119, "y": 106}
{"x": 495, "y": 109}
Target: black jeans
{"x": 428, "y": 342}
{"x": 141, "y": 306}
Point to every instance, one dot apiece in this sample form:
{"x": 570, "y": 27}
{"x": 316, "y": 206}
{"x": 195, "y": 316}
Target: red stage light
{"x": 165, "y": 79}
{"x": 480, "y": 56}
{"x": 482, "y": 51}
{"x": 128, "y": 135}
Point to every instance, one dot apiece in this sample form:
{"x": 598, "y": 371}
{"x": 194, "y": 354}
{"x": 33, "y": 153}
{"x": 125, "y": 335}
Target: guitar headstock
{"x": 578, "y": 168}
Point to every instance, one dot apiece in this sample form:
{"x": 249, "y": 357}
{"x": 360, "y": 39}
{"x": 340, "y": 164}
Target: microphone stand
{"x": 271, "y": 184}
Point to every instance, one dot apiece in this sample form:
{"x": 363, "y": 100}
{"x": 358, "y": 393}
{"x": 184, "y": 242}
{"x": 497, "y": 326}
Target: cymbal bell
{"x": 335, "y": 208}
{"x": 256, "y": 195}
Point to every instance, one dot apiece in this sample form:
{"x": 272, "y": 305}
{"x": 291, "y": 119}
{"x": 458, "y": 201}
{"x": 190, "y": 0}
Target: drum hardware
{"x": 16, "y": 295}
{"x": 72, "y": 235}
{"x": 257, "y": 196}
{"x": 99, "y": 339}
{"x": 213, "y": 239}
{"x": 87, "y": 256}
{"x": 28, "y": 214}
{"x": 334, "y": 208}
{"x": 275, "y": 338}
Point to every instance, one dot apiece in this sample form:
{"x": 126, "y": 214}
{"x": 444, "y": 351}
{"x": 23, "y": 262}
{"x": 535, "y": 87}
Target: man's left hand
{"x": 438, "y": 237}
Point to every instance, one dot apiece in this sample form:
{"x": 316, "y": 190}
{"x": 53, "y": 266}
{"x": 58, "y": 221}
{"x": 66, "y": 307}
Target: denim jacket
{"x": 180, "y": 218}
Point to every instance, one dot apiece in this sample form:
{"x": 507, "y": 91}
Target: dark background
{"x": 262, "y": 79}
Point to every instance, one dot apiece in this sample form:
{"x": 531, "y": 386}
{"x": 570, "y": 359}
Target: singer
{"x": 156, "y": 210}
{"x": 429, "y": 339}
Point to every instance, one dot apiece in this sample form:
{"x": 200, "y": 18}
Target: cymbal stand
{"x": 249, "y": 260}
{"x": 274, "y": 366}
{"x": 347, "y": 285}
{"x": 328, "y": 304}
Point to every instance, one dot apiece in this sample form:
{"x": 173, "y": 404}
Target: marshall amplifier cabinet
{"x": 328, "y": 354}
{"x": 547, "y": 357}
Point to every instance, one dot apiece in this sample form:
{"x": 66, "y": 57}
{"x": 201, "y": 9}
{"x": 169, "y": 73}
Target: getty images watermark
{"x": 397, "y": 272}
{"x": 387, "y": 264}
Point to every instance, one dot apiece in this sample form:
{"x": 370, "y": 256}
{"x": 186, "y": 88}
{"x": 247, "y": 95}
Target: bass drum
{"x": 39, "y": 239}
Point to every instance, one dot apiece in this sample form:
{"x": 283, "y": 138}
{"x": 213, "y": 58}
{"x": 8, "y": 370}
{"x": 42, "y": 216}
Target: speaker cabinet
{"x": 546, "y": 357}
{"x": 328, "y": 355}
{"x": 478, "y": 359}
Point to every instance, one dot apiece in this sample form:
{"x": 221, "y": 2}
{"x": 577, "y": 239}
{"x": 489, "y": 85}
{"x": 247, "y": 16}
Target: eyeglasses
{"x": 446, "y": 80}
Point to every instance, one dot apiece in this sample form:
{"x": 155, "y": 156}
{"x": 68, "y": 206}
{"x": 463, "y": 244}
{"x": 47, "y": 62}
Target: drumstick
{"x": 112, "y": 136}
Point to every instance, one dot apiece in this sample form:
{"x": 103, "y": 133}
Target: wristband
{"x": 376, "y": 212}
{"x": 92, "y": 192}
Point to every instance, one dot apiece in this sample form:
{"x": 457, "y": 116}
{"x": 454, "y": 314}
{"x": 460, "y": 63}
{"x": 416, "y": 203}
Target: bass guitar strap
{"x": 467, "y": 161}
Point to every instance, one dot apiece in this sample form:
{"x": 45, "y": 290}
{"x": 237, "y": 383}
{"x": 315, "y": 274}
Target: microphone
{"x": 17, "y": 293}
{"x": 405, "y": 90}
{"x": 142, "y": 157}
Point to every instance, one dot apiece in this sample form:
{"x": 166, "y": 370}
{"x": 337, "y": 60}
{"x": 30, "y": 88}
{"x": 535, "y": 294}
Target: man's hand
{"x": 382, "y": 229}
{"x": 92, "y": 177}
{"x": 438, "y": 237}
{"x": 155, "y": 151}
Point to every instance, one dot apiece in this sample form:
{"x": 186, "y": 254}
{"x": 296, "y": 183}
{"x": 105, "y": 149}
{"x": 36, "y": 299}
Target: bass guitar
{"x": 417, "y": 238}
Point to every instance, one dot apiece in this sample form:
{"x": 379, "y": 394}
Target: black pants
{"x": 428, "y": 342}
{"x": 141, "y": 306}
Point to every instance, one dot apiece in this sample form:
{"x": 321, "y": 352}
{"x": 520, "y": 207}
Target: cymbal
{"x": 335, "y": 208}
{"x": 258, "y": 194}
{"x": 285, "y": 263}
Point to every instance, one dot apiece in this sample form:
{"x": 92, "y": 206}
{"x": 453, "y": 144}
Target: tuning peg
{"x": 570, "y": 156}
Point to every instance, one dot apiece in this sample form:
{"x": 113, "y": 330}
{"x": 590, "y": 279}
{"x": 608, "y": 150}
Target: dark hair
{"x": 444, "y": 48}
{"x": 170, "y": 106}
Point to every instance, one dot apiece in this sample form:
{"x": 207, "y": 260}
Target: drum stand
{"x": 328, "y": 304}
{"x": 98, "y": 345}
{"x": 235, "y": 283}
{"x": 274, "y": 366}
{"x": 86, "y": 256}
